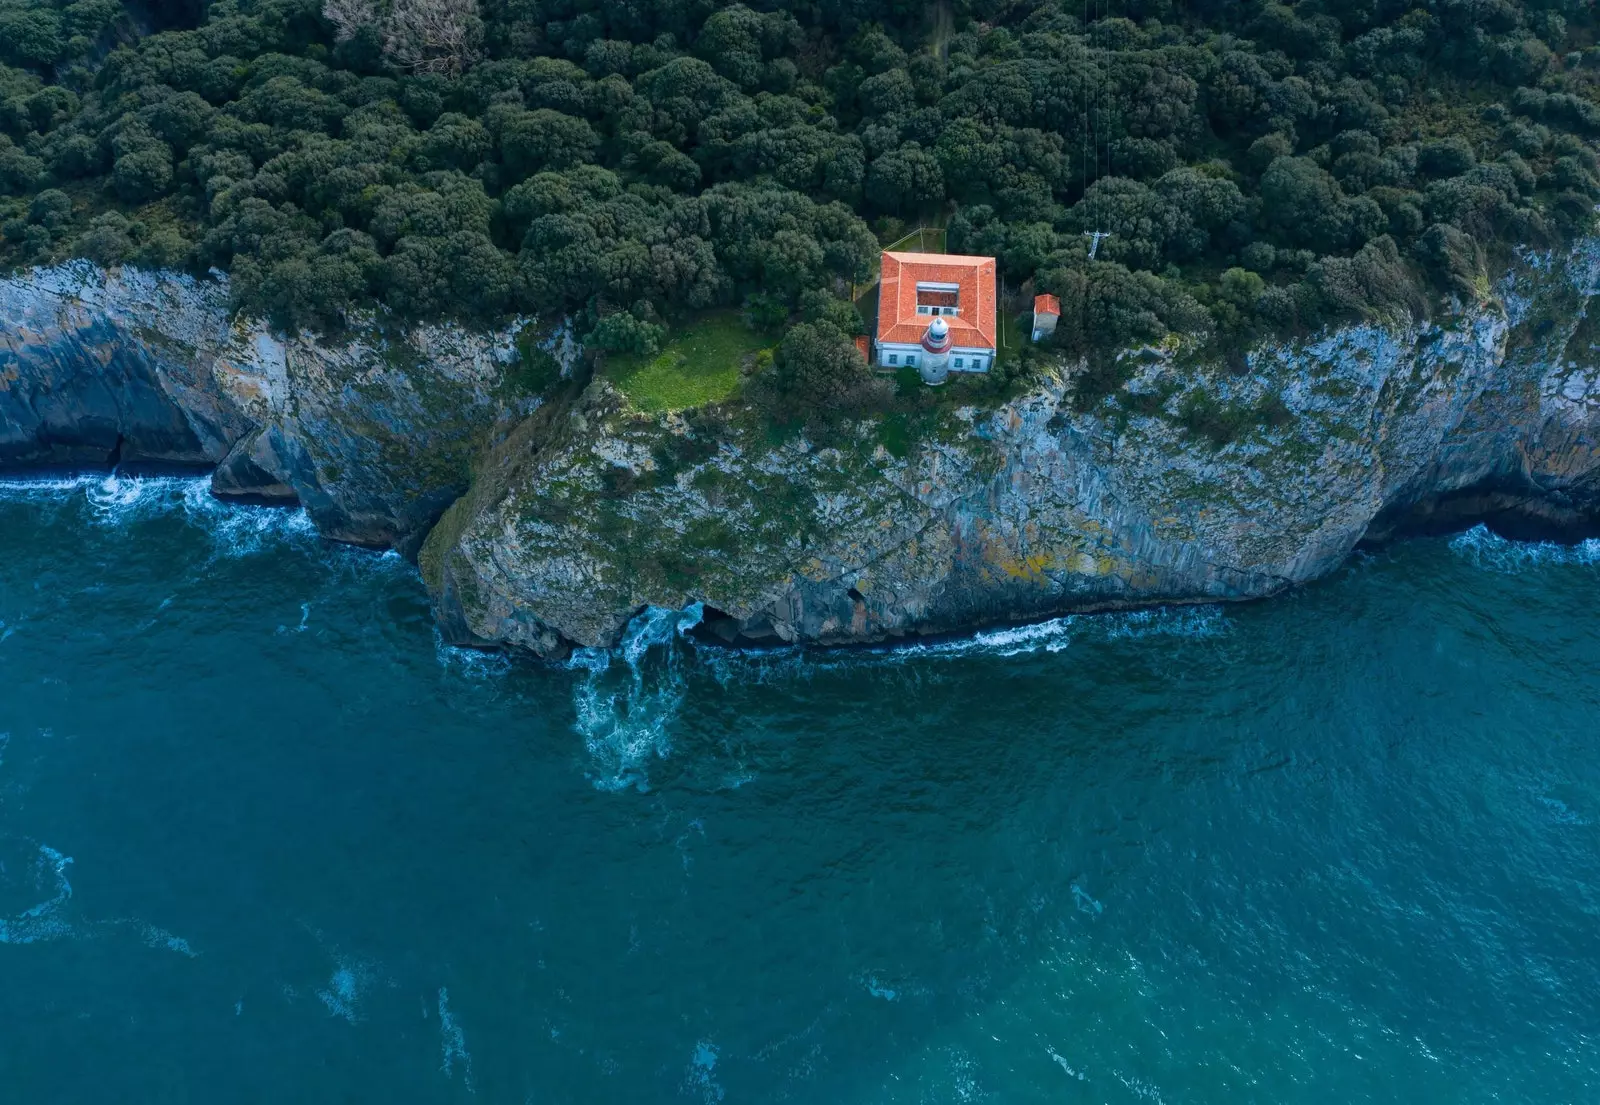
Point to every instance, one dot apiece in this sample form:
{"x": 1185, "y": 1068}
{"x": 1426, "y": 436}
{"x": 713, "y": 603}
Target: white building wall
{"x": 969, "y": 357}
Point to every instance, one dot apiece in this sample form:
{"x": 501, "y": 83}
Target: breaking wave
{"x": 1486, "y": 549}
{"x": 1054, "y": 635}
{"x": 116, "y": 500}
{"x": 630, "y": 694}
{"x": 474, "y": 664}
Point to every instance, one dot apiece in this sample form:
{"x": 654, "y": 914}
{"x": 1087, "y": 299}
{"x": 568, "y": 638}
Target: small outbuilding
{"x": 1046, "y": 313}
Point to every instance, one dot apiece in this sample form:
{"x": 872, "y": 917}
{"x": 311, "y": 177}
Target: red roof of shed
{"x": 1046, "y": 305}
{"x": 898, "y": 320}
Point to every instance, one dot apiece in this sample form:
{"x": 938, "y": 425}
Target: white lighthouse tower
{"x": 935, "y": 359}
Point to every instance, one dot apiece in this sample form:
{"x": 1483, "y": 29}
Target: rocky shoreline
{"x": 543, "y": 525}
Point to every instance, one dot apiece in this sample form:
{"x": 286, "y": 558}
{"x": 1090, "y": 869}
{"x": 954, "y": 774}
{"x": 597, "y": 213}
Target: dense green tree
{"x": 1256, "y": 165}
{"x": 531, "y": 141}
{"x": 818, "y": 372}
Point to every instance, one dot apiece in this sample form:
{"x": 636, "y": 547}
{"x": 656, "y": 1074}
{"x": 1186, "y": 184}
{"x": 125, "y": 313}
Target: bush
{"x": 818, "y": 373}
{"x": 144, "y": 174}
{"x": 51, "y": 209}
{"x": 622, "y": 332}
{"x": 19, "y": 173}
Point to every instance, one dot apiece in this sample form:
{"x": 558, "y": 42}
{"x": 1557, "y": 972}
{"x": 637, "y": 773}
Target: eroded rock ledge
{"x": 565, "y": 520}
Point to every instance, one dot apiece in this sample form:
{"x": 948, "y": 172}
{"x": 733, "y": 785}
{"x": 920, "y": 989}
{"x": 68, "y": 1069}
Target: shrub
{"x": 622, "y": 332}
{"x": 819, "y": 373}
{"x": 143, "y": 174}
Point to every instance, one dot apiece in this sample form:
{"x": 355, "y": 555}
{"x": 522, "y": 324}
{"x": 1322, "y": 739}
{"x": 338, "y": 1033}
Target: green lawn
{"x": 699, "y": 364}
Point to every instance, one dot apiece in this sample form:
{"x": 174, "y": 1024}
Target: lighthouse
{"x": 935, "y": 359}
{"x": 936, "y": 314}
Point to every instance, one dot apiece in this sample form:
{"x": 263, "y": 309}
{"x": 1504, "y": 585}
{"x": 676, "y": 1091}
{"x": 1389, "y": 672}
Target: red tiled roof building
{"x": 1046, "y": 313}
{"x": 936, "y": 313}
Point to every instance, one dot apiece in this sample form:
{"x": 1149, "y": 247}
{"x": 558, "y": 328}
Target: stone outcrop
{"x": 1191, "y": 481}
{"x": 97, "y": 367}
{"x": 373, "y": 432}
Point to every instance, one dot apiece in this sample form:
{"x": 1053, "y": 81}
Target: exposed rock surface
{"x": 374, "y": 433}
{"x": 96, "y": 366}
{"x": 1038, "y": 508}
{"x": 569, "y": 518}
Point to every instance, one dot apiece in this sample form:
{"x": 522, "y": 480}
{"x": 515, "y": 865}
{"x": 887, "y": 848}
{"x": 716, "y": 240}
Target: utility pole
{"x": 1095, "y": 237}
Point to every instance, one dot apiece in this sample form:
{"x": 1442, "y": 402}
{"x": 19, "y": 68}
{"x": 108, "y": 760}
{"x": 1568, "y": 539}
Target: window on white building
{"x": 957, "y": 362}
{"x": 911, "y": 359}
{"x": 894, "y": 358}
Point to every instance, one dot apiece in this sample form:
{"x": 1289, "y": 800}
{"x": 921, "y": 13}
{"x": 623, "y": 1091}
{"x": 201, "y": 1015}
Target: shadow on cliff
{"x": 1513, "y": 508}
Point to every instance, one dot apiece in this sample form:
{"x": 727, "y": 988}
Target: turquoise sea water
{"x": 264, "y": 839}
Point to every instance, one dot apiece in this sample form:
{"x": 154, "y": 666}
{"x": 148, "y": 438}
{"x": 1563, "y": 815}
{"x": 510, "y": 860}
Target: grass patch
{"x": 699, "y": 365}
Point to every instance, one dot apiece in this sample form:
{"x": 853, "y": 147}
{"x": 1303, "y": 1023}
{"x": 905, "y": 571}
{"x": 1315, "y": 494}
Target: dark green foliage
{"x": 622, "y": 332}
{"x": 817, "y": 373}
{"x": 1259, "y": 166}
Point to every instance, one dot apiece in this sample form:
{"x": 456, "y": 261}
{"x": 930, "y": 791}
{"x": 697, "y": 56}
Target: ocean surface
{"x": 263, "y": 838}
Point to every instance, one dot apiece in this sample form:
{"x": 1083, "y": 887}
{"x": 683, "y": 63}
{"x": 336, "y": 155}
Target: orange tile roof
{"x": 1046, "y": 305}
{"x": 898, "y": 320}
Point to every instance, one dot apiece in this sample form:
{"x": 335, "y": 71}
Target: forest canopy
{"x": 1259, "y": 166}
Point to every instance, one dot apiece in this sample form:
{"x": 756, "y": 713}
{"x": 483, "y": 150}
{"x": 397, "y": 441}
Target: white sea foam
{"x": 878, "y": 990}
{"x": 162, "y": 939}
{"x": 1054, "y": 635}
{"x": 46, "y": 920}
{"x": 629, "y": 696}
{"x": 116, "y": 500}
{"x": 1485, "y": 549}
{"x": 453, "y": 1044}
{"x": 472, "y": 663}
{"x": 345, "y": 989}
{"x": 700, "y": 1080}
{"x": 1066, "y": 1066}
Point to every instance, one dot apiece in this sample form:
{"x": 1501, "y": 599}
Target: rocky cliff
{"x": 1192, "y": 481}
{"x": 1184, "y": 480}
{"x": 374, "y": 431}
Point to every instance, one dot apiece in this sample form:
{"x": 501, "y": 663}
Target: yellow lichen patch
{"x": 815, "y": 570}
{"x": 1003, "y": 560}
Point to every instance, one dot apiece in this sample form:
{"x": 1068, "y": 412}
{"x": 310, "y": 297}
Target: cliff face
{"x": 97, "y": 365}
{"x": 374, "y": 432}
{"x": 1192, "y": 481}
